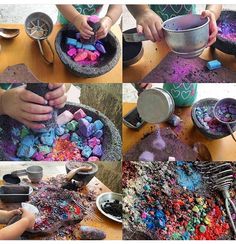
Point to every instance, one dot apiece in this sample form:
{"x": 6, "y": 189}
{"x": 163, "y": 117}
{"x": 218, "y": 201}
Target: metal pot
{"x": 187, "y": 35}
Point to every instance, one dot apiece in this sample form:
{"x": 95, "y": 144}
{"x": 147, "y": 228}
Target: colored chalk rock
{"x": 85, "y": 128}
{"x": 64, "y": 117}
{"x": 74, "y": 137}
{"x": 89, "y": 47}
{"x": 97, "y": 125}
{"x": 146, "y": 156}
{"x": 87, "y": 151}
{"x": 214, "y": 64}
{"x": 25, "y": 151}
{"x": 91, "y": 233}
{"x": 93, "y": 142}
{"x": 89, "y": 119}
{"x": 97, "y": 151}
{"x": 48, "y": 138}
{"x": 65, "y": 136}
{"x": 59, "y": 131}
{"x": 202, "y": 228}
{"x": 44, "y": 149}
{"x": 28, "y": 140}
{"x": 72, "y": 52}
{"x": 100, "y": 47}
{"x": 79, "y": 45}
{"x": 38, "y": 156}
{"x": 79, "y": 114}
{"x": 81, "y": 56}
{"x": 24, "y": 132}
{"x": 93, "y": 159}
{"x": 72, "y": 125}
{"x": 77, "y": 35}
{"x": 71, "y": 41}
{"x": 98, "y": 133}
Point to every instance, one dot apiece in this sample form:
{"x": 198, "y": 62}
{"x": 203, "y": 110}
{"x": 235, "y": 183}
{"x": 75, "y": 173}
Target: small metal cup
{"x": 219, "y": 113}
{"x": 38, "y": 26}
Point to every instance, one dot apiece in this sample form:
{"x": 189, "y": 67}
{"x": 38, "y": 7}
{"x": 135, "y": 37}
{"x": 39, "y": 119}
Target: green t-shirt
{"x": 85, "y": 9}
{"x": 167, "y": 11}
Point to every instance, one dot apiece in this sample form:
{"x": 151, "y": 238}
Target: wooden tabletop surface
{"x": 154, "y": 53}
{"x": 221, "y": 150}
{"x": 22, "y": 49}
{"x": 112, "y": 229}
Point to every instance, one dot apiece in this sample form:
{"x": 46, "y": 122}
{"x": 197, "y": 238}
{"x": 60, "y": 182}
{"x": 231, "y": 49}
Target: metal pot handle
{"x": 231, "y": 131}
{"x": 42, "y": 52}
{"x": 19, "y": 172}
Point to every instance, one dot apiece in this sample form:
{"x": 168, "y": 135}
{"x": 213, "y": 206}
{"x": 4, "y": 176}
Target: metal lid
{"x": 155, "y": 105}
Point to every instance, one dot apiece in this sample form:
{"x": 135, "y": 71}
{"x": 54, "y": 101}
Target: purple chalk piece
{"x": 38, "y": 156}
{"x": 65, "y": 136}
{"x": 146, "y": 156}
{"x": 85, "y": 128}
{"x": 77, "y": 35}
{"x": 99, "y": 46}
{"x": 93, "y": 142}
{"x": 79, "y": 114}
{"x": 97, "y": 151}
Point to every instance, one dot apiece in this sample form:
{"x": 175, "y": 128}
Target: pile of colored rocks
{"x": 226, "y": 112}
{"x": 206, "y": 118}
{"x": 82, "y": 52}
{"x": 76, "y": 137}
{"x": 170, "y": 201}
{"x": 227, "y": 30}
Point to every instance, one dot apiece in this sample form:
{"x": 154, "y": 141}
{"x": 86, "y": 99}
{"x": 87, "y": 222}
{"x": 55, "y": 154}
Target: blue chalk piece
{"x": 89, "y": 119}
{"x": 97, "y": 125}
{"x": 28, "y": 140}
{"x": 98, "y": 133}
{"x": 59, "y": 131}
{"x": 74, "y": 137}
{"x": 79, "y": 45}
{"x": 214, "y": 64}
{"x": 71, "y": 41}
{"x": 89, "y": 47}
{"x": 87, "y": 151}
{"x": 25, "y": 151}
{"x": 48, "y": 138}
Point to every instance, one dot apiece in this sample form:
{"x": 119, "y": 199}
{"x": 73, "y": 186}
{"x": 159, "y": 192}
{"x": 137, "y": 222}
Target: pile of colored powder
{"x": 76, "y": 137}
{"x": 84, "y": 53}
{"x": 226, "y": 112}
{"x": 227, "y": 31}
{"x": 162, "y": 203}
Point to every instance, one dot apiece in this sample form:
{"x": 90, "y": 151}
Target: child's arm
{"x": 213, "y": 12}
{"x": 148, "y": 22}
{"x": 113, "y": 14}
{"x": 5, "y": 216}
{"x": 15, "y": 230}
{"x": 77, "y": 19}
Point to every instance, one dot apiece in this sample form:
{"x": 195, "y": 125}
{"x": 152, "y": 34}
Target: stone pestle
{"x": 41, "y": 89}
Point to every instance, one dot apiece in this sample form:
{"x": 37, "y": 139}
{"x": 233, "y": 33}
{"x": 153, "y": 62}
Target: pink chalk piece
{"x": 94, "y": 19}
{"x": 93, "y": 142}
{"x": 38, "y": 156}
{"x": 79, "y": 114}
{"x": 64, "y": 117}
{"x": 72, "y": 52}
{"x": 144, "y": 215}
{"x": 66, "y": 136}
{"x": 97, "y": 53}
{"x": 93, "y": 159}
{"x": 92, "y": 56}
{"x": 81, "y": 56}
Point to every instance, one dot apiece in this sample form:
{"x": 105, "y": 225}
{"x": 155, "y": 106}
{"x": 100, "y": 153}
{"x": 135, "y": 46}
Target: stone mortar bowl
{"x": 105, "y": 63}
{"x": 83, "y": 177}
{"x": 208, "y": 133}
{"x": 226, "y": 45}
{"x": 111, "y": 143}
{"x": 187, "y": 35}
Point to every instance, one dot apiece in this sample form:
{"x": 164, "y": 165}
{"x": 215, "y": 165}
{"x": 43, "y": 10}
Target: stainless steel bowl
{"x": 187, "y": 35}
{"x": 108, "y": 196}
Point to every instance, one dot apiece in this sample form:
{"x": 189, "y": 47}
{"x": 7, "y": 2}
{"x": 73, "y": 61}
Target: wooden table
{"x": 24, "y": 50}
{"x": 112, "y": 229}
{"x": 154, "y": 53}
{"x": 221, "y": 150}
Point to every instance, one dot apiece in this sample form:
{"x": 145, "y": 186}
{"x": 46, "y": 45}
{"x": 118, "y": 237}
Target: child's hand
{"x": 29, "y": 217}
{"x": 26, "y": 107}
{"x": 213, "y": 26}
{"x": 150, "y": 24}
{"x": 106, "y": 24}
{"x": 7, "y": 215}
{"x": 82, "y": 25}
{"x": 56, "y": 98}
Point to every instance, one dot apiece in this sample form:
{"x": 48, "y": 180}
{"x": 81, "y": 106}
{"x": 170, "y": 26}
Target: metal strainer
{"x": 38, "y": 26}
{"x": 225, "y": 112}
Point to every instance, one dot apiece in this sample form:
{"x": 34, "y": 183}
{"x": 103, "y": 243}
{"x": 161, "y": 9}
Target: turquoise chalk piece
{"x": 89, "y": 47}
{"x": 79, "y": 45}
{"x": 71, "y": 41}
{"x": 214, "y": 64}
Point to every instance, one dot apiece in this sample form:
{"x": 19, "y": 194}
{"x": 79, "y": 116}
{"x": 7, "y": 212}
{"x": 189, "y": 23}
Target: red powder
{"x": 216, "y": 230}
{"x": 65, "y": 150}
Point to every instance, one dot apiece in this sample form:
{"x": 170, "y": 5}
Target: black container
{"x": 41, "y": 89}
